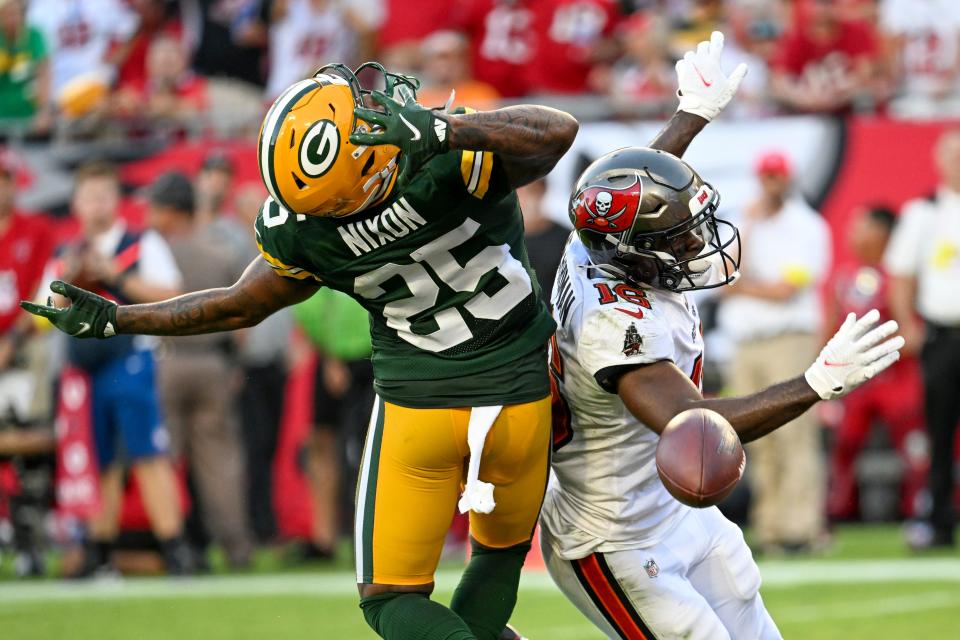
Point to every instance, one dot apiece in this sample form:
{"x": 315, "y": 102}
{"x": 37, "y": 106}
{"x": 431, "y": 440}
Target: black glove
{"x": 88, "y": 316}
{"x": 418, "y": 132}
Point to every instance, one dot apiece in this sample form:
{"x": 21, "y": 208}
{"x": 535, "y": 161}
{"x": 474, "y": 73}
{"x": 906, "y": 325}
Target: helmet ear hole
{"x": 366, "y": 165}
{"x": 300, "y": 183}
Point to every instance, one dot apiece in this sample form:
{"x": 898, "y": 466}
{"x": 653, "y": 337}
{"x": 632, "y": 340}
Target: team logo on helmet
{"x": 319, "y": 147}
{"x": 606, "y": 209}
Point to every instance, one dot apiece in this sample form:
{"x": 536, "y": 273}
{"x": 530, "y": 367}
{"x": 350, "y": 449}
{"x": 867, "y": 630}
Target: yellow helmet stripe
{"x": 271, "y": 129}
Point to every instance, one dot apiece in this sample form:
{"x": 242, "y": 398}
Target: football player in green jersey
{"x": 436, "y": 256}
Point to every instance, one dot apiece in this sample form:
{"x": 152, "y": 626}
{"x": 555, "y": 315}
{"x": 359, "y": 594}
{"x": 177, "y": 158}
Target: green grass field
{"x": 867, "y": 586}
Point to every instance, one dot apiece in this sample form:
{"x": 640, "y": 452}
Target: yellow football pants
{"x": 413, "y": 469}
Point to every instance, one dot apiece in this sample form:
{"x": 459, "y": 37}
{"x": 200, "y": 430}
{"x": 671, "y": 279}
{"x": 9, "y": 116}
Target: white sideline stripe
{"x": 848, "y": 610}
{"x": 775, "y": 574}
{"x": 799, "y": 572}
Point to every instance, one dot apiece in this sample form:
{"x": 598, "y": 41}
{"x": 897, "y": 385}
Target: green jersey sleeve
{"x": 477, "y": 174}
{"x": 279, "y": 243}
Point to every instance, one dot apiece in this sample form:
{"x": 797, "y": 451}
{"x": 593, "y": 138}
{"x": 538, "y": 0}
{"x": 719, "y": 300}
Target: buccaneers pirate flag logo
{"x": 606, "y": 209}
{"x": 632, "y": 341}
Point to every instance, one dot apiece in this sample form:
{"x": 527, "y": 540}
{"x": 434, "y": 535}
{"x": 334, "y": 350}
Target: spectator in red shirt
{"x": 504, "y": 42}
{"x": 571, "y": 36}
{"x": 171, "y": 93}
{"x": 893, "y": 397}
{"x": 401, "y": 25}
{"x": 827, "y": 63}
{"x": 25, "y": 246}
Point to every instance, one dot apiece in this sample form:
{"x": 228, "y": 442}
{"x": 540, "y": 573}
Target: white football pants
{"x": 699, "y": 583}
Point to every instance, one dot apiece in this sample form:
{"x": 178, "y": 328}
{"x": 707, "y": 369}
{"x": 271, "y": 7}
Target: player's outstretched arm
{"x": 258, "y": 293}
{"x": 680, "y": 131}
{"x": 859, "y": 350}
{"x": 704, "y": 90}
{"x": 529, "y": 139}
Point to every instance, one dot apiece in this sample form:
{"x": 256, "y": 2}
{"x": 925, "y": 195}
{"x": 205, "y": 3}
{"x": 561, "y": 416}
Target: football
{"x": 699, "y": 458}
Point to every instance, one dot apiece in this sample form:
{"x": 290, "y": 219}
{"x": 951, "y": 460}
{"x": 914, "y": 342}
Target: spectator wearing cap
{"x": 923, "y": 260}
{"x": 24, "y": 70}
{"x": 773, "y": 314}
{"x": 196, "y": 374}
{"x": 130, "y": 267}
{"x": 446, "y": 68}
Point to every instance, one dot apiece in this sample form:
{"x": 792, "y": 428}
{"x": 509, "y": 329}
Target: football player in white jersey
{"x": 627, "y": 357}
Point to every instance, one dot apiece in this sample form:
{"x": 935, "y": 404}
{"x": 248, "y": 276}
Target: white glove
{"x": 852, "y": 356}
{"x": 703, "y": 88}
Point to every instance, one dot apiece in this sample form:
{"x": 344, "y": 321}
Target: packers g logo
{"x": 319, "y": 148}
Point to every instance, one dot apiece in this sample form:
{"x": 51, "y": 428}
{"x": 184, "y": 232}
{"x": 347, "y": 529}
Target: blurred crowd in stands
{"x": 100, "y": 68}
{"x": 131, "y": 123}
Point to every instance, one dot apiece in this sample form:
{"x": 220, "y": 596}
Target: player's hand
{"x": 703, "y": 88}
{"x": 88, "y": 316}
{"x": 418, "y": 132}
{"x": 857, "y": 352}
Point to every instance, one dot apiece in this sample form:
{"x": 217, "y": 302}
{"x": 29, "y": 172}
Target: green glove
{"x": 418, "y": 132}
{"x": 89, "y": 315}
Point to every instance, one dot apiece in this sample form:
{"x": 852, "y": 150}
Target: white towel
{"x": 478, "y": 496}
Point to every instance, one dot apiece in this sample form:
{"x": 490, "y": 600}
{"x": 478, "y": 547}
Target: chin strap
{"x": 478, "y": 495}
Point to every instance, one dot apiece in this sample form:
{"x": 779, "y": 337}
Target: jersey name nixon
{"x": 394, "y": 222}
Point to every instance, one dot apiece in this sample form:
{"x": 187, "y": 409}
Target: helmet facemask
{"x": 364, "y": 80}
{"x": 662, "y": 258}
{"x": 370, "y": 77}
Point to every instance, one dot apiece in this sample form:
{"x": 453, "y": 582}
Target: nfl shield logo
{"x": 652, "y": 569}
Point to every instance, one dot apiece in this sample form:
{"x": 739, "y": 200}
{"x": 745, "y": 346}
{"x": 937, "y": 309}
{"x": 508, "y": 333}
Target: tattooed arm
{"x": 680, "y": 131}
{"x": 258, "y": 293}
{"x": 529, "y": 139}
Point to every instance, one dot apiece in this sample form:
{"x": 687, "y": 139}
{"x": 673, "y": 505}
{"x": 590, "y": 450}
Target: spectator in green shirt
{"x": 339, "y": 329}
{"x": 24, "y": 71}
